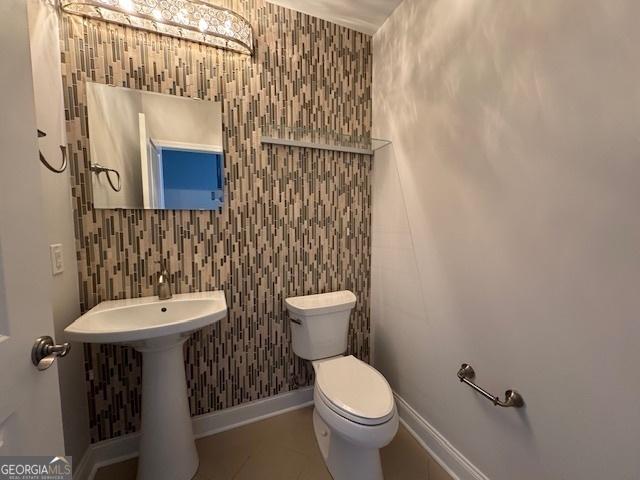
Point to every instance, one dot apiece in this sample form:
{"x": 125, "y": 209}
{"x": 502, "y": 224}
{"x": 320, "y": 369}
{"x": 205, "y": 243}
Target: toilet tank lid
{"x": 322, "y": 303}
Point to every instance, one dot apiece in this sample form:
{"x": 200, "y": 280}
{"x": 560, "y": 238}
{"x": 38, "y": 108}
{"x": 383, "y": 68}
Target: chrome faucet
{"x": 164, "y": 284}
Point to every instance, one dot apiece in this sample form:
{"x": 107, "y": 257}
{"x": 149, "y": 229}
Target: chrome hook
{"x": 44, "y": 161}
{"x": 98, "y": 169}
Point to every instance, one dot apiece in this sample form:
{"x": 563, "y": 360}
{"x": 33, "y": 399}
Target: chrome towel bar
{"x": 512, "y": 398}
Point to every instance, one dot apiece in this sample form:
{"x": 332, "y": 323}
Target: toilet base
{"x": 343, "y": 458}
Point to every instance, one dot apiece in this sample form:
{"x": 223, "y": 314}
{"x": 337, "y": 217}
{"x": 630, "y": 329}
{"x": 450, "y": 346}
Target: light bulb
{"x": 182, "y": 17}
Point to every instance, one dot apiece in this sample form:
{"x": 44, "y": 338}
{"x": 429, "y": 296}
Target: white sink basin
{"x": 157, "y": 328}
{"x": 139, "y": 319}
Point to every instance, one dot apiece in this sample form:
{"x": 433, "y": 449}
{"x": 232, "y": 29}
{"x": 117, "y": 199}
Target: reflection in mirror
{"x": 155, "y": 151}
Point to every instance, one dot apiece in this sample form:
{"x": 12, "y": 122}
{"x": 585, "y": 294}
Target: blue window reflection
{"x": 192, "y": 180}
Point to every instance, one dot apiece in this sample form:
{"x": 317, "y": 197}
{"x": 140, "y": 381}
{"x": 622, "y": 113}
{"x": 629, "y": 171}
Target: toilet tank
{"x": 320, "y": 323}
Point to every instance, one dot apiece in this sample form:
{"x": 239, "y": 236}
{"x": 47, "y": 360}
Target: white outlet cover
{"x": 57, "y": 258}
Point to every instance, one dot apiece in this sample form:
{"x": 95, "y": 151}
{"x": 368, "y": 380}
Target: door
{"x": 151, "y": 168}
{"x": 157, "y": 179}
{"x": 30, "y": 414}
{"x": 146, "y": 173}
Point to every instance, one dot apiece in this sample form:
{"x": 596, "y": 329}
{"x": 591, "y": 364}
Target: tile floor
{"x": 283, "y": 448}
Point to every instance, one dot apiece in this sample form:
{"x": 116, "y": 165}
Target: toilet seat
{"x": 354, "y": 390}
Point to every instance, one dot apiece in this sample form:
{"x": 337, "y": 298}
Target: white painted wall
{"x": 115, "y": 143}
{"x": 364, "y": 16}
{"x": 183, "y": 119}
{"x": 506, "y": 230}
{"x": 56, "y": 194}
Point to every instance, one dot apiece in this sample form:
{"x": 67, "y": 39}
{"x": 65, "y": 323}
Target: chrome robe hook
{"x": 44, "y": 161}
{"x": 98, "y": 169}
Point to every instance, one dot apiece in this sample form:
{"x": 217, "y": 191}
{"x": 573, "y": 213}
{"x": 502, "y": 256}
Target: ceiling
{"x": 362, "y": 15}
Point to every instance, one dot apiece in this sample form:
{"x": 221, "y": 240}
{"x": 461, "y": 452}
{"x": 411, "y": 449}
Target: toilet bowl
{"x": 354, "y": 416}
{"x": 354, "y": 410}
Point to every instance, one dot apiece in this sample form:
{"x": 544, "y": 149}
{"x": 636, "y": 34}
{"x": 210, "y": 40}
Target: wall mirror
{"x": 150, "y": 150}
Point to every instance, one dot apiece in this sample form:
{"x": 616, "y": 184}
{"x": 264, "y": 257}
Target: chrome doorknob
{"x": 45, "y": 352}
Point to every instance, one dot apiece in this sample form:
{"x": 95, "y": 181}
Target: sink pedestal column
{"x": 167, "y": 447}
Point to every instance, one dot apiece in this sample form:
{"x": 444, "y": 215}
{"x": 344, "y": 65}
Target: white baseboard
{"x": 456, "y": 464}
{"x": 125, "y": 447}
{"x": 216, "y": 422}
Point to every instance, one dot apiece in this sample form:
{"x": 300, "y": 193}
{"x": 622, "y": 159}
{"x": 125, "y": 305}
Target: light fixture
{"x": 193, "y": 20}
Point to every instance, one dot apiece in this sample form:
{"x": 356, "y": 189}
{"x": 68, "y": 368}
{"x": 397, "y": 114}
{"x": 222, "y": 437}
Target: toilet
{"x": 355, "y": 413}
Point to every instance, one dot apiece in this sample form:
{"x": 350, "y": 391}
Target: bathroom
{"x": 316, "y": 239}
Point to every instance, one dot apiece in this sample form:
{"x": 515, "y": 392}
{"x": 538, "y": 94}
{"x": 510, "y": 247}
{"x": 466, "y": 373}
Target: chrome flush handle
{"x": 45, "y": 352}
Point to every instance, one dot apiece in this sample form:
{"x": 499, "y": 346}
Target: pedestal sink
{"x": 157, "y": 328}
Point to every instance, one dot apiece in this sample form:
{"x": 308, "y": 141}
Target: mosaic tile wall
{"x": 295, "y": 221}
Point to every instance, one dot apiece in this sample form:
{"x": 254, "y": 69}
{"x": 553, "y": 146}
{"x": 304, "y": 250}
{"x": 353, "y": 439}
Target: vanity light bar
{"x": 193, "y": 20}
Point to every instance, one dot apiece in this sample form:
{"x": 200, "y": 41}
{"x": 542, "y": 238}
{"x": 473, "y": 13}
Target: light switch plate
{"x": 57, "y": 258}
